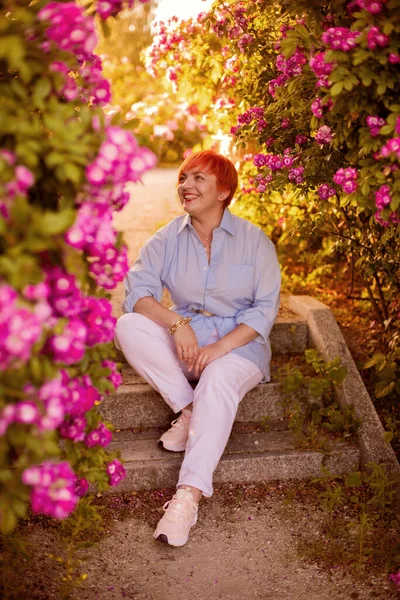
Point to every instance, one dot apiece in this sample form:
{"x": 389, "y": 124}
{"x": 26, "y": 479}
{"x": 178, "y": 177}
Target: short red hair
{"x": 214, "y": 164}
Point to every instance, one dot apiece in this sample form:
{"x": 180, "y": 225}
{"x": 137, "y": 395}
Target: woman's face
{"x": 198, "y": 192}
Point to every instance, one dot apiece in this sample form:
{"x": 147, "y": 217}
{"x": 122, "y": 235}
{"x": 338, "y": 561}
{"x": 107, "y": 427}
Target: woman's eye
{"x": 198, "y": 177}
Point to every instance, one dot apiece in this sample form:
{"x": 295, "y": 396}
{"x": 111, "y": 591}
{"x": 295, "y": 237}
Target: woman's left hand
{"x": 206, "y": 355}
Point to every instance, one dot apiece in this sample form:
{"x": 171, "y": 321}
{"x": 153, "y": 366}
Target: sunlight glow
{"x": 183, "y": 9}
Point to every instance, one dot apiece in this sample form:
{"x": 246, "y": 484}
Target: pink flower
{"x": 73, "y": 428}
{"x": 325, "y": 191}
{"x": 24, "y": 178}
{"x": 101, "y": 436}
{"x": 316, "y": 108}
{"x": 69, "y": 346}
{"x": 116, "y": 472}
{"x": 340, "y": 38}
{"x": 53, "y": 488}
{"x": 349, "y": 186}
{"x": 172, "y": 74}
{"x": 245, "y": 41}
{"x": 321, "y": 69}
{"x": 395, "y": 577}
{"x": 301, "y": 139}
{"x": 383, "y": 197}
{"x": 115, "y": 377}
{"x": 79, "y": 395}
{"x": 26, "y": 411}
{"x": 375, "y": 38}
{"x": 81, "y": 486}
{"x": 20, "y": 329}
{"x": 69, "y": 27}
{"x": 324, "y": 135}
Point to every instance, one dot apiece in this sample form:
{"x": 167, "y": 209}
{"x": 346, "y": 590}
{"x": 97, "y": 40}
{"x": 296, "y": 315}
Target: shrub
{"x": 63, "y": 166}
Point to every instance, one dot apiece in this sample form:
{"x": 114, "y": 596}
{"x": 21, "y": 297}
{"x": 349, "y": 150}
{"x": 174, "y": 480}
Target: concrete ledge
{"x": 289, "y": 337}
{"x": 248, "y": 457}
{"x": 138, "y": 405}
{"x": 325, "y": 335}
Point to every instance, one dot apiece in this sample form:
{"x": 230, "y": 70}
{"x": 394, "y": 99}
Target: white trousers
{"x": 150, "y": 350}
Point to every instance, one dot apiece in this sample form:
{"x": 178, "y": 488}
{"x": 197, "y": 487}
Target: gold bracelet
{"x": 178, "y": 324}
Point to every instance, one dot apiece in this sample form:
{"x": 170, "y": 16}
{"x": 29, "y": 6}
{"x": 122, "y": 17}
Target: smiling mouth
{"x": 189, "y": 197}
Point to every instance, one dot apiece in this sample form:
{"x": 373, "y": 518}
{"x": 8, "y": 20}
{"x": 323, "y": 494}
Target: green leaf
{"x": 8, "y": 520}
{"x": 41, "y": 90}
{"x": 12, "y": 49}
{"x": 353, "y": 479}
{"x": 377, "y": 358}
{"x": 386, "y": 129}
{"x": 384, "y": 388}
{"x": 365, "y": 188}
{"x": 388, "y": 436}
{"x": 52, "y": 223}
{"x": 73, "y": 173}
{"x": 337, "y": 88}
{"x": 381, "y": 89}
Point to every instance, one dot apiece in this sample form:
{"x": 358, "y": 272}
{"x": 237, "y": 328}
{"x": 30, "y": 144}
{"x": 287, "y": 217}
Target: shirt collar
{"x": 227, "y": 223}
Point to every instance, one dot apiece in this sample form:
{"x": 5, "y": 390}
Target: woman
{"x": 224, "y": 278}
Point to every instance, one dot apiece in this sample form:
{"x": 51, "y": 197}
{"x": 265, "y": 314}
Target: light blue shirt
{"x": 240, "y": 285}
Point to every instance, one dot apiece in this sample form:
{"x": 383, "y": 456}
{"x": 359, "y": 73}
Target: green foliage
{"x": 310, "y": 401}
{"x": 359, "y": 525}
{"x": 149, "y": 105}
{"x": 387, "y": 369}
{"x": 55, "y": 139}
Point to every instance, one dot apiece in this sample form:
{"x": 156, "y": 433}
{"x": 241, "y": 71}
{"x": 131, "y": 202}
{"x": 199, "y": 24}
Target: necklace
{"x": 207, "y": 246}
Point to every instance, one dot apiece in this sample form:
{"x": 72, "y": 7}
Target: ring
{"x": 184, "y": 351}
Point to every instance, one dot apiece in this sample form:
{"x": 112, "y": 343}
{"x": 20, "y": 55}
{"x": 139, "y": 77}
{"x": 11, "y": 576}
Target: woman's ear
{"x": 222, "y": 195}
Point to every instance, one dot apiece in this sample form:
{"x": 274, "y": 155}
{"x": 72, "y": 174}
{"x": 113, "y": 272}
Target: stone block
{"x": 325, "y": 335}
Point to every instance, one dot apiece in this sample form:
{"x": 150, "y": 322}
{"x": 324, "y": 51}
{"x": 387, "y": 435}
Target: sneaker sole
{"x": 162, "y": 537}
{"x": 170, "y": 448}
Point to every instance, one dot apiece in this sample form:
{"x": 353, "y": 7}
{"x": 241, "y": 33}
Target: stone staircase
{"x": 139, "y": 416}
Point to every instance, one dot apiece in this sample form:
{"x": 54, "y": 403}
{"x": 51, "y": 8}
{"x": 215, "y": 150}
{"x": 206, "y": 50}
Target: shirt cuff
{"x": 134, "y": 296}
{"x": 256, "y": 321}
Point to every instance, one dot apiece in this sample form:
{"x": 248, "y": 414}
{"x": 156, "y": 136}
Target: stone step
{"x": 249, "y": 457}
{"x": 137, "y": 405}
{"x": 289, "y": 334}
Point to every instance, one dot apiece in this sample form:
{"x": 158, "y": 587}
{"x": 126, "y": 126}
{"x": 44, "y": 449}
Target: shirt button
{"x": 205, "y": 268}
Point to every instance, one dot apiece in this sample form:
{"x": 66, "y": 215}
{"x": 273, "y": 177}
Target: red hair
{"x": 214, "y": 164}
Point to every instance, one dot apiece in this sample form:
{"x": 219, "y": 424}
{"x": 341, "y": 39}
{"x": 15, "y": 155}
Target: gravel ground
{"x": 240, "y": 548}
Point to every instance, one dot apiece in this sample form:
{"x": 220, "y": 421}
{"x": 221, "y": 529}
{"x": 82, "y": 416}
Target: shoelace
{"x": 180, "y": 509}
{"x": 181, "y": 421}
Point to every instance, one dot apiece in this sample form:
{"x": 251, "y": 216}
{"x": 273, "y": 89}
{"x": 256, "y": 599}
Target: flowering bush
{"x": 169, "y": 127}
{"x": 313, "y": 99}
{"x": 63, "y": 168}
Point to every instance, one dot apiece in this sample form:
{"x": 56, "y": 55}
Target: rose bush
{"x": 153, "y": 111}
{"x": 310, "y": 97}
{"x": 63, "y": 167}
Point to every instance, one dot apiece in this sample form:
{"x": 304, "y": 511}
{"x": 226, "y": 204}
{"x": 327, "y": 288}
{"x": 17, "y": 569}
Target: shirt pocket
{"x": 241, "y": 283}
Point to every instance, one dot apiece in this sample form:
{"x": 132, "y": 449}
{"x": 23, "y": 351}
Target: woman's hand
{"x": 207, "y": 354}
{"x": 186, "y": 344}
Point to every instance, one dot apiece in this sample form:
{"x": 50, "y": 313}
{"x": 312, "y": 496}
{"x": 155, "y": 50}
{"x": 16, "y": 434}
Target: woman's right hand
{"x": 186, "y": 345}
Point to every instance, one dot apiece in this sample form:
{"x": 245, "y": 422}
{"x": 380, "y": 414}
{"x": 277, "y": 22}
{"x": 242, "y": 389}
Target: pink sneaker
{"x": 180, "y": 515}
{"x": 176, "y": 437}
